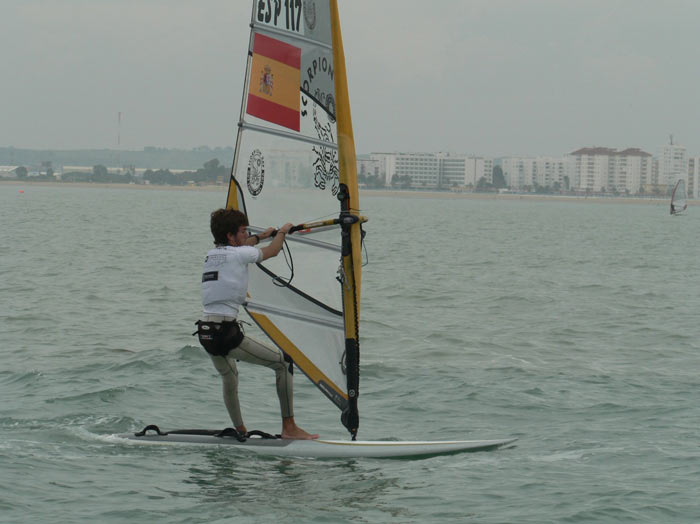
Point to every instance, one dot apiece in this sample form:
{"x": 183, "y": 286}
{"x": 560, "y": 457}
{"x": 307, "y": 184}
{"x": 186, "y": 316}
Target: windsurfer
{"x": 224, "y": 290}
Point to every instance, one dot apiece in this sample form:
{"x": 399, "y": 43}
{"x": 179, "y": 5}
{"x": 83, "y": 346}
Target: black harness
{"x": 218, "y": 338}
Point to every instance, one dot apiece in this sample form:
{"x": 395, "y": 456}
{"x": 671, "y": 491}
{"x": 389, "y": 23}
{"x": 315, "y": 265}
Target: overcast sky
{"x": 483, "y": 77}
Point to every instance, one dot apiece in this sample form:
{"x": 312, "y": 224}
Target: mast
{"x": 351, "y": 231}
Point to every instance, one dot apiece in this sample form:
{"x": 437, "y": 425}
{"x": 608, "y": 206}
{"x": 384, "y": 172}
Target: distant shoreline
{"x": 101, "y": 185}
{"x": 364, "y": 192}
{"x": 516, "y": 196}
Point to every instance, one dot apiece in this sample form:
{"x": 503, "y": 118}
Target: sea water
{"x": 572, "y": 326}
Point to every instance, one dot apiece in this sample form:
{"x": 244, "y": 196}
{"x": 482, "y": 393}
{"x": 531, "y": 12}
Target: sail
{"x": 679, "y": 199}
{"x": 295, "y": 162}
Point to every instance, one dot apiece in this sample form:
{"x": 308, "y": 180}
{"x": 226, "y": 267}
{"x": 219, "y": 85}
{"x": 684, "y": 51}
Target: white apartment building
{"x": 600, "y": 168}
{"x": 384, "y": 163}
{"x": 526, "y": 172}
{"x": 436, "y": 170}
{"x": 423, "y": 169}
{"x": 475, "y": 168}
{"x": 630, "y": 170}
{"x": 589, "y": 168}
{"x": 452, "y": 171}
{"x": 673, "y": 164}
{"x": 516, "y": 171}
{"x": 693, "y": 182}
{"x": 375, "y": 165}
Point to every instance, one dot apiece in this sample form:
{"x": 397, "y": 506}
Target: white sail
{"x": 679, "y": 199}
{"x": 295, "y": 162}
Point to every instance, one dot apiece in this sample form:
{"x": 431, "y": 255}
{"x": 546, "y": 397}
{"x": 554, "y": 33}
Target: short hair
{"x": 224, "y": 221}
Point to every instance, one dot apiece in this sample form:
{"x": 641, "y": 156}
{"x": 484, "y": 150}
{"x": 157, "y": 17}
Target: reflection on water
{"x": 329, "y": 487}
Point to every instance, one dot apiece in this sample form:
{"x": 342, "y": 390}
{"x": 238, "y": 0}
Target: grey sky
{"x": 485, "y": 77}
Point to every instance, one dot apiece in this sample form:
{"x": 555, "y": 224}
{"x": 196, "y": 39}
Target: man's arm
{"x": 274, "y": 247}
{"x": 254, "y": 240}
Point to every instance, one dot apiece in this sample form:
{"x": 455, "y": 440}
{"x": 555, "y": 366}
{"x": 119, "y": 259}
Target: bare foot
{"x": 299, "y": 434}
{"x": 290, "y": 430}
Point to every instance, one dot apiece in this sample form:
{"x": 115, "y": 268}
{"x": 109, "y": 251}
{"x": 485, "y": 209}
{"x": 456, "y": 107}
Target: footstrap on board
{"x": 261, "y": 434}
{"x": 151, "y": 427}
{"x": 226, "y": 432}
{"x": 232, "y": 432}
{"x": 242, "y": 437}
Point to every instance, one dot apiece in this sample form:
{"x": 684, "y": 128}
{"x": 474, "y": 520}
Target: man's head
{"x": 224, "y": 221}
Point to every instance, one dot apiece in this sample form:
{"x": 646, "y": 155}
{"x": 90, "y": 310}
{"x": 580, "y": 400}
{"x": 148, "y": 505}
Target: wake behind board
{"x": 319, "y": 448}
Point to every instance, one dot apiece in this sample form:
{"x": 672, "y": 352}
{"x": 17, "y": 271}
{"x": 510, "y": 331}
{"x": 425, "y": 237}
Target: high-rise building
{"x": 673, "y": 163}
{"x": 435, "y": 170}
{"x": 605, "y": 169}
{"x": 476, "y": 168}
{"x": 693, "y": 184}
{"x": 372, "y": 166}
{"x": 529, "y": 172}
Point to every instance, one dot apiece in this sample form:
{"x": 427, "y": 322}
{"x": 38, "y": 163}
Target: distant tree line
{"x": 209, "y": 173}
{"x": 149, "y": 157}
{"x": 22, "y": 172}
{"x": 99, "y": 174}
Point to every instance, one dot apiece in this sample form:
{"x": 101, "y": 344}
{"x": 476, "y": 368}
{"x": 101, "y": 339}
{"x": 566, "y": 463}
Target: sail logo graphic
{"x": 256, "y": 172}
{"x": 278, "y": 64}
{"x": 266, "y": 81}
{"x": 310, "y": 14}
{"x": 330, "y": 107}
{"x": 318, "y": 82}
{"x": 326, "y": 163}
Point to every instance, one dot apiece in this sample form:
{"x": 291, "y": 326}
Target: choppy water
{"x": 571, "y": 325}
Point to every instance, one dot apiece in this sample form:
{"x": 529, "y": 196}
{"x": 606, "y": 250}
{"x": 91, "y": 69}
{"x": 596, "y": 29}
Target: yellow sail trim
{"x": 348, "y": 176}
{"x": 301, "y": 360}
{"x": 232, "y": 198}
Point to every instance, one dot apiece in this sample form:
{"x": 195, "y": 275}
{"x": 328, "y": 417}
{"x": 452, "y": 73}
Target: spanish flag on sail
{"x": 275, "y": 77}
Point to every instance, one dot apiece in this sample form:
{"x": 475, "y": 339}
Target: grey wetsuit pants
{"x": 250, "y": 350}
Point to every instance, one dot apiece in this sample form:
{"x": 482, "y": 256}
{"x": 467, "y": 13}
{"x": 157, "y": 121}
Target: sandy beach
{"x": 364, "y": 192}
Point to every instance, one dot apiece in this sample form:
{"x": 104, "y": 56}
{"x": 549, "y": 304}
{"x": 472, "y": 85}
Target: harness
{"x": 218, "y": 338}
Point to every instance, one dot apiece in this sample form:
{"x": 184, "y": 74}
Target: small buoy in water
{"x": 21, "y": 190}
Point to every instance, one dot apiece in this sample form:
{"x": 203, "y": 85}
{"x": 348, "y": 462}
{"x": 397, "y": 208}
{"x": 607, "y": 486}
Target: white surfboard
{"x": 321, "y": 448}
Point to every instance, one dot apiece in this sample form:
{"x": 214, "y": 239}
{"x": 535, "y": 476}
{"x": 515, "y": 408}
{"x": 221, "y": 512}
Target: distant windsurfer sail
{"x": 679, "y": 199}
